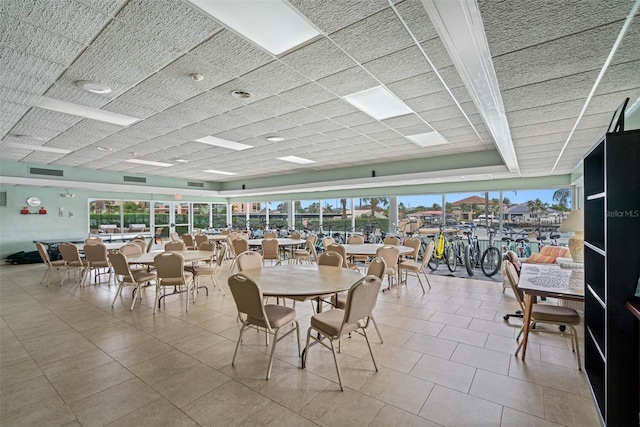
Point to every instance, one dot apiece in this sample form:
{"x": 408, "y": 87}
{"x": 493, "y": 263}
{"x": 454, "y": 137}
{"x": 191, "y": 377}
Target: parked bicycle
{"x": 489, "y": 261}
{"x": 443, "y": 251}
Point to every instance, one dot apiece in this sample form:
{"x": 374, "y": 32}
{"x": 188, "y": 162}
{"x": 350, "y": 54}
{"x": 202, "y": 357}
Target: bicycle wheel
{"x": 491, "y": 261}
{"x": 433, "y": 263}
{"x": 468, "y": 259}
{"x": 450, "y": 256}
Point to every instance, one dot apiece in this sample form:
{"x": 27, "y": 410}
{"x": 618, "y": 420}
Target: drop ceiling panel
{"x": 415, "y": 17}
{"x": 331, "y": 16}
{"x": 94, "y": 65}
{"x": 274, "y": 78}
{"x": 307, "y": 95}
{"x": 347, "y": 82}
{"x": 318, "y": 59}
{"x": 335, "y": 108}
{"x": 399, "y": 65}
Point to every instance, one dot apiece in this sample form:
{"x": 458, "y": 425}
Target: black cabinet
{"x": 612, "y": 268}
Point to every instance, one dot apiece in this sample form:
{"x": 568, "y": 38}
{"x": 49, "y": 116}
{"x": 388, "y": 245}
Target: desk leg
{"x": 528, "y": 306}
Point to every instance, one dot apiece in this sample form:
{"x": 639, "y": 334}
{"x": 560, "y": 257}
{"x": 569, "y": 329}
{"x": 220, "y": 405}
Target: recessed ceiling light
{"x": 296, "y": 159}
{"x": 104, "y": 149}
{"x": 379, "y": 103}
{"x": 275, "y": 138}
{"x": 35, "y": 148}
{"x": 93, "y": 87}
{"x": 220, "y": 172}
{"x": 273, "y": 25}
{"x": 84, "y": 111}
{"x": 149, "y": 163}
{"x": 428, "y": 139}
{"x": 196, "y": 76}
{"x": 181, "y": 160}
{"x": 219, "y": 142}
{"x": 241, "y": 94}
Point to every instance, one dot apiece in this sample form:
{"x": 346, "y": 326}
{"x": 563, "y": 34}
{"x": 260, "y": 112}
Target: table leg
{"x": 528, "y": 307}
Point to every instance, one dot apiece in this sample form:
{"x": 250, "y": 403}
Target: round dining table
{"x": 281, "y": 242}
{"x": 303, "y": 281}
{"x": 371, "y": 248}
{"x": 217, "y": 237}
{"x": 189, "y": 256}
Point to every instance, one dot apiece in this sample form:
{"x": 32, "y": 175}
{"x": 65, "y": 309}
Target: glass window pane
{"x": 104, "y": 216}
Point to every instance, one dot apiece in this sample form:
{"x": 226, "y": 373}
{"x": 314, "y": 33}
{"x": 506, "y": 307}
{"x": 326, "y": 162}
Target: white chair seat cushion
{"x": 555, "y": 314}
{"x": 141, "y": 276}
{"x": 278, "y": 316}
{"x": 410, "y": 265}
{"x": 188, "y": 277}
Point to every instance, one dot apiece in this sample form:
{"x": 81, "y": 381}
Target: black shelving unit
{"x": 612, "y": 268}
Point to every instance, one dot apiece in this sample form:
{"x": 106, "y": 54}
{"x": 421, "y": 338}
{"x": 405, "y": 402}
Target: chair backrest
{"x": 221, "y": 253}
{"x": 248, "y": 297}
{"x": 69, "y": 252}
{"x": 390, "y": 255}
{"x": 225, "y": 232}
{"x": 328, "y": 241}
{"x": 119, "y": 263}
{"x": 89, "y": 240}
{"x": 270, "y": 249}
{"x": 239, "y": 245}
{"x": 295, "y": 235}
{"x": 361, "y": 299}
{"x": 95, "y": 252}
{"x": 150, "y": 245}
{"x": 341, "y": 250}
{"x": 415, "y": 245}
{"x": 207, "y": 246}
{"x": 426, "y": 256}
{"x": 175, "y": 246}
{"x": 175, "y": 237}
{"x": 188, "y": 239}
{"x": 158, "y": 232}
{"x": 391, "y": 240}
{"x": 355, "y": 240}
{"x": 200, "y": 239}
{"x": 333, "y": 259}
{"x": 169, "y": 265}
{"x": 512, "y": 278}
{"x": 244, "y": 236}
{"x": 377, "y": 267}
{"x": 130, "y": 249}
{"x": 140, "y": 242}
{"x": 513, "y": 259}
{"x": 43, "y": 253}
{"x": 312, "y": 239}
{"x": 248, "y": 260}
{"x": 270, "y": 235}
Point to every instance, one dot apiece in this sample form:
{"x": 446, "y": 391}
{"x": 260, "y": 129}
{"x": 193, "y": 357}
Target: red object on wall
{"x": 24, "y": 211}
{"x": 42, "y": 211}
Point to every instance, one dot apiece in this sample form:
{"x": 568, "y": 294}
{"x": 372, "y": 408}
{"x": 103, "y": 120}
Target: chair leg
{"x": 233, "y": 361}
{"x": 306, "y": 350}
{"x": 366, "y": 337}
{"x": 377, "y": 330}
{"x": 136, "y": 293}
{"x": 574, "y": 339}
{"x": 335, "y": 359}
{"x": 273, "y": 350}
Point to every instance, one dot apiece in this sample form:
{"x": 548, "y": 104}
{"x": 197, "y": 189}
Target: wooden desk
{"x": 547, "y": 280}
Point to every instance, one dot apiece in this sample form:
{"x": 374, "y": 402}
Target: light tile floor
{"x": 67, "y": 358}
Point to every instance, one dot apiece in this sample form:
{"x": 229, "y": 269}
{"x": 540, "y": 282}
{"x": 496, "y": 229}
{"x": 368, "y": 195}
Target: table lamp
{"x": 575, "y": 222}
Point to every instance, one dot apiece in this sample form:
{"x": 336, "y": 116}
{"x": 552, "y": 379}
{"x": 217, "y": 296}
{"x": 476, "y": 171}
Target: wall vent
{"x": 195, "y": 184}
{"x": 43, "y": 171}
{"x": 3, "y": 198}
{"x": 134, "y": 179}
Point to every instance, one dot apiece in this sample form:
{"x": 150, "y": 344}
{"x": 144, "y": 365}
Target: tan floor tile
{"x": 25, "y": 393}
{"x": 217, "y": 356}
{"x": 110, "y": 338}
{"x": 559, "y": 356}
{"x": 396, "y": 358}
{"x": 444, "y": 372}
{"x": 547, "y": 375}
{"x": 164, "y": 366}
{"x": 569, "y": 409}
{"x": 229, "y": 405}
{"x": 482, "y": 358}
{"x": 452, "y": 408}
{"x": 513, "y": 418}
{"x": 509, "y": 345}
{"x": 355, "y": 371}
{"x": 76, "y": 363}
{"x": 398, "y": 389}
{"x": 495, "y": 328}
{"x": 79, "y": 385}
{"x": 185, "y": 387}
{"x": 391, "y": 416}
{"x": 159, "y": 412}
{"x": 348, "y": 408}
{"x": 19, "y": 372}
{"x": 451, "y": 319}
{"x": 111, "y": 404}
{"x": 141, "y": 352}
{"x": 46, "y": 341}
{"x": 391, "y": 335}
{"x": 432, "y": 346}
{"x": 462, "y": 335}
{"x": 197, "y": 342}
{"x": 13, "y": 356}
{"x": 516, "y": 394}
{"x": 48, "y": 412}
{"x": 476, "y": 313}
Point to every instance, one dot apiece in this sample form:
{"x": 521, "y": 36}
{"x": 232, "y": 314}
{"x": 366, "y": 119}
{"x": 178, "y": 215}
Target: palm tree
{"x": 374, "y": 202}
{"x": 464, "y": 208}
{"x": 506, "y": 201}
{"x": 562, "y": 196}
{"x": 343, "y": 203}
{"x": 536, "y": 206}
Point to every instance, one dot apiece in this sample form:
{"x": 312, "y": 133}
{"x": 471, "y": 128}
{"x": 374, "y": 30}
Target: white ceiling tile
{"x": 318, "y": 59}
{"x": 331, "y": 16}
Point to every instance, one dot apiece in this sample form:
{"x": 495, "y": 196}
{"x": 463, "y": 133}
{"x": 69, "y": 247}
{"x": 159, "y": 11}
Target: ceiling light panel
{"x": 149, "y": 163}
{"x": 379, "y": 103}
{"x": 219, "y": 142}
{"x": 428, "y": 139}
{"x": 35, "y": 147}
{"x": 86, "y": 112}
{"x": 217, "y": 172}
{"x": 273, "y": 25}
{"x": 296, "y": 159}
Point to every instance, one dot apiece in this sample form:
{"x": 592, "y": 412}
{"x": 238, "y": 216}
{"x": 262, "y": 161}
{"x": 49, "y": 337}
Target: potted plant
{"x": 24, "y": 210}
{"x": 42, "y": 211}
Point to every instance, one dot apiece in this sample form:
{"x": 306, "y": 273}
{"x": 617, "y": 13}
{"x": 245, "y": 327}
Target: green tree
{"x": 327, "y": 207}
{"x": 495, "y": 207}
{"x": 436, "y": 207}
{"x": 464, "y": 207}
{"x": 448, "y": 207}
{"x": 506, "y": 201}
{"x": 374, "y": 202}
{"x": 343, "y": 205}
{"x": 562, "y": 197}
{"x": 475, "y": 209}
{"x": 132, "y": 207}
{"x": 313, "y": 207}
{"x": 536, "y": 206}
{"x": 402, "y": 209}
